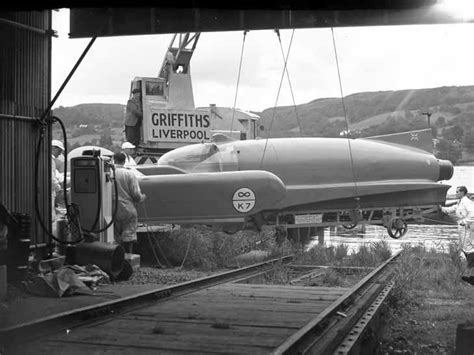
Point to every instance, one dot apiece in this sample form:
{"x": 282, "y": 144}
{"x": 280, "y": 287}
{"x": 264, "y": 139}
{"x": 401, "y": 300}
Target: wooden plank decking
{"x": 226, "y": 319}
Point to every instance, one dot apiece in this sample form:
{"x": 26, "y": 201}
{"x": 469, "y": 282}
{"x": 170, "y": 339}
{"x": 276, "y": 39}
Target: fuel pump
{"x": 91, "y": 191}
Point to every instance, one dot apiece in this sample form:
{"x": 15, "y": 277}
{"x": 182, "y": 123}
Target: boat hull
{"x": 202, "y": 183}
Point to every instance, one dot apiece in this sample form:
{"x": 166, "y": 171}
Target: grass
{"x": 428, "y": 301}
{"x": 421, "y": 271}
{"x": 203, "y": 248}
{"x": 368, "y": 255}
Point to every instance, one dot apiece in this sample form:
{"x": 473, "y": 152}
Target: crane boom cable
{"x": 345, "y": 115}
{"x": 276, "y": 100}
{"x": 289, "y": 83}
{"x": 238, "y": 82}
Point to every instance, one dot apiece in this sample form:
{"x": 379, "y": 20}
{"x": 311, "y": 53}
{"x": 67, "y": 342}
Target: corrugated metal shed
{"x": 25, "y": 91}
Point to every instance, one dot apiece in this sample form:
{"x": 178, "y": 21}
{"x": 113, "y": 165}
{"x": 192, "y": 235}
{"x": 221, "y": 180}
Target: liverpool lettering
{"x": 180, "y": 134}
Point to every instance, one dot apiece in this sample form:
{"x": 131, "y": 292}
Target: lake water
{"x": 463, "y": 175}
{"x": 431, "y": 236}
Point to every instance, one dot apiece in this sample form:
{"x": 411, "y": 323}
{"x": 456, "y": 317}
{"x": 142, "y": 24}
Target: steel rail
{"x": 354, "y": 340}
{"x": 344, "y": 323}
{"x": 71, "y": 318}
{"x": 298, "y": 342}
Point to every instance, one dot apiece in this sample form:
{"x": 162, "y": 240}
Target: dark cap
{"x": 136, "y": 91}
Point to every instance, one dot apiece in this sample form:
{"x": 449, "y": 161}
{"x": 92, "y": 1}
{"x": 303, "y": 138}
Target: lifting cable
{"x": 357, "y": 198}
{"x": 276, "y": 100}
{"x": 289, "y": 83}
{"x": 238, "y": 81}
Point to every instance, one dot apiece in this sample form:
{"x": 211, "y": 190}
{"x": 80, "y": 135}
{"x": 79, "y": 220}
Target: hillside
{"x": 91, "y": 124}
{"x": 325, "y": 117}
{"x": 97, "y": 114}
{"x": 369, "y": 113}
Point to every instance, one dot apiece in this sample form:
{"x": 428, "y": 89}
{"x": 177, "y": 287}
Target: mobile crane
{"x": 170, "y": 119}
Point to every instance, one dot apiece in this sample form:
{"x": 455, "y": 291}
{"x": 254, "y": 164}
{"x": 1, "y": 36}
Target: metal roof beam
{"x": 28, "y": 28}
{"x": 85, "y": 22}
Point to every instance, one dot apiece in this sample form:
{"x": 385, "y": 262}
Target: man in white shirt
{"x": 129, "y": 149}
{"x": 464, "y": 211}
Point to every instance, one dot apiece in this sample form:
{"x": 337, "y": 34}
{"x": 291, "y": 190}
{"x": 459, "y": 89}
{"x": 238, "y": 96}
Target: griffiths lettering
{"x": 185, "y": 120}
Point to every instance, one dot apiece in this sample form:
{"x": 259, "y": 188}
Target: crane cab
{"x": 169, "y": 117}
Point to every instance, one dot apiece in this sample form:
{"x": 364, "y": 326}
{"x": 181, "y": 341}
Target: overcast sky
{"x": 370, "y": 59}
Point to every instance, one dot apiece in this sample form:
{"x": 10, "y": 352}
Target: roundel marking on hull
{"x": 243, "y": 200}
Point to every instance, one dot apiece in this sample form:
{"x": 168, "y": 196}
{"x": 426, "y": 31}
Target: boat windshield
{"x": 203, "y": 157}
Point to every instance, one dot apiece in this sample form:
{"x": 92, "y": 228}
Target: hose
{"x": 44, "y": 124}
{"x": 187, "y": 249}
{"x": 156, "y": 242}
{"x": 72, "y": 211}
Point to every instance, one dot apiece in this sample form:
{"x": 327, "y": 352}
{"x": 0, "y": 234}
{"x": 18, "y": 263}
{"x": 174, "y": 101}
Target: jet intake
{"x": 445, "y": 170}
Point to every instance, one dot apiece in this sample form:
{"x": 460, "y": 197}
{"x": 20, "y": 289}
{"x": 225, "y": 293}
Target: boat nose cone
{"x": 445, "y": 170}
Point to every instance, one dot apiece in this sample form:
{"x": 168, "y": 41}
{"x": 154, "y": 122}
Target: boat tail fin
{"x": 421, "y": 139}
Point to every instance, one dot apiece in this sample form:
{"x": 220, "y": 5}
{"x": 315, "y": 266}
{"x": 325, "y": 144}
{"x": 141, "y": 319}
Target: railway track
{"x": 217, "y": 314}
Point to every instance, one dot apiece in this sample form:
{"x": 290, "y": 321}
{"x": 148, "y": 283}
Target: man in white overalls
{"x": 464, "y": 211}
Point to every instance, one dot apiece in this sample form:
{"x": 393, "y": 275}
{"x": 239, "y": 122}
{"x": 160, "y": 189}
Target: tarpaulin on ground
{"x": 90, "y": 274}
{"x": 67, "y": 280}
{"x": 60, "y": 283}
